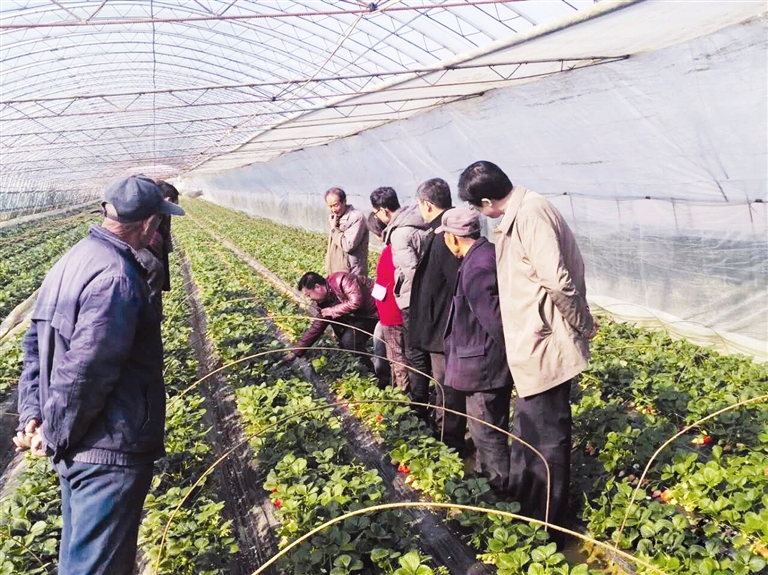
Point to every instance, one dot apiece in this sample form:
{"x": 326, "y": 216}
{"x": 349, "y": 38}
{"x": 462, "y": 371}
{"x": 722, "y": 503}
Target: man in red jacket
{"x": 390, "y": 326}
{"x": 345, "y": 298}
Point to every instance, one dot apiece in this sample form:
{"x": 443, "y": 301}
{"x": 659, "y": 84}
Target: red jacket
{"x": 389, "y": 312}
{"x": 349, "y": 296}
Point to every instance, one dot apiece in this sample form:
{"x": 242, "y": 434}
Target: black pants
{"x": 492, "y": 456}
{"x": 419, "y": 360}
{"x": 544, "y": 421}
{"x": 450, "y": 427}
{"x": 354, "y": 339}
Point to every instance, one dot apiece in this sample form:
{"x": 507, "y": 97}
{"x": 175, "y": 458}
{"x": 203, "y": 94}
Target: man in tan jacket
{"x": 348, "y": 238}
{"x": 547, "y": 328}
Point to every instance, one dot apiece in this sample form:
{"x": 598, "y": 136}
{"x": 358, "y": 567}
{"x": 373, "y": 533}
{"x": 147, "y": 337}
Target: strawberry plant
{"x": 313, "y": 476}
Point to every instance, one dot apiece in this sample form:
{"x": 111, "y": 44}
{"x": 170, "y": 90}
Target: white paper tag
{"x": 379, "y": 292}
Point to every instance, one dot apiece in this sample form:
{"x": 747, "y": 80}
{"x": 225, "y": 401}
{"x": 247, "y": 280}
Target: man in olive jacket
{"x": 348, "y": 237}
{"x": 476, "y": 360}
{"x": 547, "y": 328}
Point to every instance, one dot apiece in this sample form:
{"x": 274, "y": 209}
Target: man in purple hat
{"x": 475, "y": 354}
{"x": 91, "y": 394}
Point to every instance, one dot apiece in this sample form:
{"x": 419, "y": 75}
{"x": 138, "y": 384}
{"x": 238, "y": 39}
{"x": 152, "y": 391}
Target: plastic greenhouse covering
{"x": 645, "y": 122}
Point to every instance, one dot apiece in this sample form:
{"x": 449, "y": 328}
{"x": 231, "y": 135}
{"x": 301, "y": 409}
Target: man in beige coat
{"x": 348, "y": 238}
{"x": 547, "y": 328}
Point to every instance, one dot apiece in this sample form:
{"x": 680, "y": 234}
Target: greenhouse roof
{"x": 92, "y": 90}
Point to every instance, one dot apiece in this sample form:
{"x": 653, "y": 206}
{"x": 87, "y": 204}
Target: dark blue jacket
{"x": 93, "y": 358}
{"x": 476, "y": 358}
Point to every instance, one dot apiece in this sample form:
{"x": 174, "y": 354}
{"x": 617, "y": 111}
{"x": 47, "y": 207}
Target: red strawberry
{"x": 379, "y": 417}
{"x": 278, "y": 503}
{"x": 403, "y": 468}
{"x": 274, "y": 490}
{"x": 666, "y": 495}
{"x": 706, "y": 440}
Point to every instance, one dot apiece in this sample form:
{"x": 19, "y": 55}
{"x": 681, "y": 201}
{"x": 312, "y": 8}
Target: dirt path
{"x": 238, "y": 478}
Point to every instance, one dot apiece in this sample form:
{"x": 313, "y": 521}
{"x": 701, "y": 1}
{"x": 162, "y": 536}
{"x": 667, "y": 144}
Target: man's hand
{"x": 595, "y": 327}
{"x": 36, "y": 445}
{"x": 326, "y": 312}
{"x": 23, "y": 439}
{"x": 290, "y": 357}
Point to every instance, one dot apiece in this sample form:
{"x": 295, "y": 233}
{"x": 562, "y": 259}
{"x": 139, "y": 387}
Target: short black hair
{"x": 385, "y": 197}
{"x": 338, "y": 192}
{"x": 436, "y": 191}
{"x": 309, "y": 280}
{"x": 483, "y": 180}
{"x": 375, "y": 225}
{"x": 169, "y": 191}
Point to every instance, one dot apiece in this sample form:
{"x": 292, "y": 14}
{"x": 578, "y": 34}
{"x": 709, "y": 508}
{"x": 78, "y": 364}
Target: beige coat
{"x": 542, "y": 294}
{"x": 347, "y": 244}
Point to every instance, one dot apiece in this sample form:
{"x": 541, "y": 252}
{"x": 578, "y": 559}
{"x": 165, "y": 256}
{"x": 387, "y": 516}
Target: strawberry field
{"x": 310, "y": 468}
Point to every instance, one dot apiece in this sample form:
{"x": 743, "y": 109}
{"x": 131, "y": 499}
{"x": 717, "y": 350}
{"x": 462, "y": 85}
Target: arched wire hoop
{"x": 329, "y": 406}
{"x": 268, "y": 318}
{"x": 432, "y": 505}
{"x": 683, "y": 431}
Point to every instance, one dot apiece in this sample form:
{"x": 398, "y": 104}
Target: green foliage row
{"x": 313, "y": 475}
{"x": 22, "y": 271}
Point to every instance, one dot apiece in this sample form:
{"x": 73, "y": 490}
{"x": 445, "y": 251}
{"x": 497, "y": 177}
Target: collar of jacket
{"x": 106, "y": 236}
{"x": 434, "y": 224}
{"x": 479, "y": 242}
{"x": 405, "y": 217}
{"x": 518, "y": 193}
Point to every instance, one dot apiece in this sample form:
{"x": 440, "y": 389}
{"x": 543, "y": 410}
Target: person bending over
{"x": 345, "y": 298}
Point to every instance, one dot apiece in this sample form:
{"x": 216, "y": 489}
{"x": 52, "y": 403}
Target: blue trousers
{"x": 100, "y": 509}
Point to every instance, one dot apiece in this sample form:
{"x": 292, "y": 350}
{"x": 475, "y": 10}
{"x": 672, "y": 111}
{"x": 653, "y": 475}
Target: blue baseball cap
{"x": 136, "y": 198}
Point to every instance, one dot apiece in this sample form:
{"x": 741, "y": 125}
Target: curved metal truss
{"x": 92, "y": 89}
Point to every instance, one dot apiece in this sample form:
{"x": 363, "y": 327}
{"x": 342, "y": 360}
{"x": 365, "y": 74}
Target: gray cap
{"x": 462, "y": 222}
{"x": 136, "y": 198}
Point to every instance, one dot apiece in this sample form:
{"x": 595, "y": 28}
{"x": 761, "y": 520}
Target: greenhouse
{"x": 289, "y": 448}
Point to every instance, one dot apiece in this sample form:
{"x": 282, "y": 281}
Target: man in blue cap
{"x": 91, "y": 394}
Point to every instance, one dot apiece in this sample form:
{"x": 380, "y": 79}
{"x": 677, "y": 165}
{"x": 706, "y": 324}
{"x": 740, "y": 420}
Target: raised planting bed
{"x": 701, "y": 510}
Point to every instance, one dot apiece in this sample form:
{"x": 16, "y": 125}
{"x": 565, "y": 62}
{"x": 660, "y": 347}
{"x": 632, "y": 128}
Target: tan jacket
{"x": 347, "y": 244}
{"x": 542, "y": 294}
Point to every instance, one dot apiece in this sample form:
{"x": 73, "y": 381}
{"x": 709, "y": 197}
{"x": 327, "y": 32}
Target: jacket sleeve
{"x": 405, "y": 257}
{"x": 311, "y": 335}
{"x": 353, "y": 291}
{"x": 354, "y": 233}
{"x": 542, "y": 247}
{"x": 99, "y": 346}
{"x": 480, "y": 281}
{"x": 29, "y": 383}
